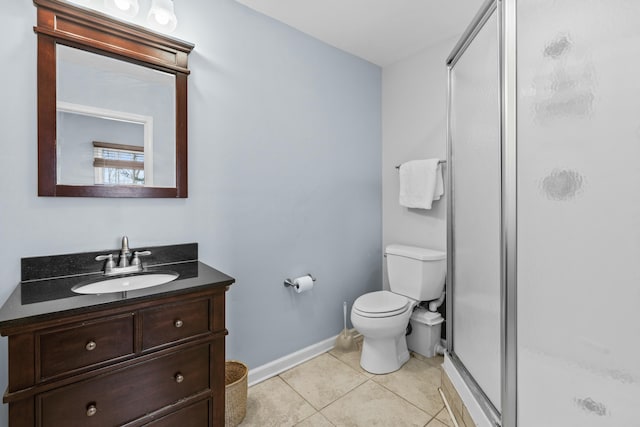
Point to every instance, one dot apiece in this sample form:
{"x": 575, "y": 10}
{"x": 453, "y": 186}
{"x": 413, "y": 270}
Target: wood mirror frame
{"x": 92, "y": 31}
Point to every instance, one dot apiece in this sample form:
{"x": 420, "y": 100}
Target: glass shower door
{"x": 475, "y": 177}
{"x": 578, "y": 213}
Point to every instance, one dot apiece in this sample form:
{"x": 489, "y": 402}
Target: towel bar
{"x": 439, "y": 162}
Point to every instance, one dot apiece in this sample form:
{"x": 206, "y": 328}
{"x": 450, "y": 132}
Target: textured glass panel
{"x": 578, "y": 213}
{"x": 476, "y": 217}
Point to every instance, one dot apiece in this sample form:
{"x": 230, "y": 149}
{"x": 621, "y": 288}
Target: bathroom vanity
{"x": 153, "y": 357}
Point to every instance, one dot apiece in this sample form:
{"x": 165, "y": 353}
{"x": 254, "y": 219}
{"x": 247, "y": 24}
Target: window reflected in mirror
{"x": 117, "y": 164}
{"x": 111, "y": 114}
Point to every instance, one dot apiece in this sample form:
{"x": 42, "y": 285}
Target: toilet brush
{"x": 345, "y": 341}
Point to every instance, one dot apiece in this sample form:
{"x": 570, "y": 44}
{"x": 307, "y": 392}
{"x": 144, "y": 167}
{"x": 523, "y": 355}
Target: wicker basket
{"x": 235, "y": 397}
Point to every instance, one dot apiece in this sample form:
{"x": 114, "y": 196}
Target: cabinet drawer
{"x": 64, "y": 350}
{"x": 172, "y": 323}
{"x": 130, "y": 393}
{"x": 196, "y": 415}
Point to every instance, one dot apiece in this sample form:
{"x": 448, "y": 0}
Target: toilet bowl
{"x": 382, "y": 318}
{"x": 415, "y": 275}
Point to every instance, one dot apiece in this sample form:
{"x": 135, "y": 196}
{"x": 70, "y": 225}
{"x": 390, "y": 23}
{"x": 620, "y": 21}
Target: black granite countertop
{"x": 51, "y": 298}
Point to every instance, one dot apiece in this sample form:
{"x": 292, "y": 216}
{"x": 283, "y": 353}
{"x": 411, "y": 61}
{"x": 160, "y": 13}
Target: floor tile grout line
{"x": 296, "y": 392}
{"x": 374, "y": 379}
{"x": 338, "y": 398}
{"x": 315, "y": 413}
{"x": 411, "y": 403}
{"x": 292, "y": 389}
{"x": 311, "y": 404}
{"x": 343, "y": 362}
{"x": 306, "y": 418}
{"x": 328, "y": 420}
{"x": 386, "y": 388}
{"x": 319, "y": 411}
{"x": 447, "y": 412}
{"x": 336, "y": 357}
{"x": 367, "y": 372}
{"x": 431, "y": 417}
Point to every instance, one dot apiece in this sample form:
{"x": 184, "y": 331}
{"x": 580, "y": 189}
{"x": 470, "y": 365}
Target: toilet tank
{"x": 417, "y": 273}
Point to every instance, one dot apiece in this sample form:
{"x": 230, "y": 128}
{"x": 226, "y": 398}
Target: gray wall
{"x": 284, "y": 169}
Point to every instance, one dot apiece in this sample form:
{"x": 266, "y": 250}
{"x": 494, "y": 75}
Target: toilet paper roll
{"x": 303, "y": 284}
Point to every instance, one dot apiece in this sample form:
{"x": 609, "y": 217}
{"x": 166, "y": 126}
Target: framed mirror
{"x": 112, "y": 106}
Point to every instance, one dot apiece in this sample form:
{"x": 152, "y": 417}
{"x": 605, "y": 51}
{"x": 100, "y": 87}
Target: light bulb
{"x": 126, "y": 8}
{"x": 162, "y": 17}
{"x": 123, "y": 4}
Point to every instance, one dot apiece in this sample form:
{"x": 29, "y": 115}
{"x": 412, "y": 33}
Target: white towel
{"x": 420, "y": 183}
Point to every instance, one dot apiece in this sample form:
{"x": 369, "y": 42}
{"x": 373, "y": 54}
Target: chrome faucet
{"x": 124, "y": 253}
{"x": 124, "y": 264}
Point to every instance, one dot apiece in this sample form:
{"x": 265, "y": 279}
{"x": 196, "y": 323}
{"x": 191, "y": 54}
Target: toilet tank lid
{"x": 422, "y": 254}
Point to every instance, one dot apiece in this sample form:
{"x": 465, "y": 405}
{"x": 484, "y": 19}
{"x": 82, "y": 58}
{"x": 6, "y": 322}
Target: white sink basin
{"x": 125, "y": 283}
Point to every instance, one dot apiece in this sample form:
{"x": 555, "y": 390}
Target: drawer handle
{"x": 91, "y": 410}
{"x": 179, "y": 378}
{"x": 91, "y": 345}
{"x": 178, "y": 323}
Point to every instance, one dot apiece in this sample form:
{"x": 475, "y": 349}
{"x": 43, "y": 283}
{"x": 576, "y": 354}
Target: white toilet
{"x": 415, "y": 275}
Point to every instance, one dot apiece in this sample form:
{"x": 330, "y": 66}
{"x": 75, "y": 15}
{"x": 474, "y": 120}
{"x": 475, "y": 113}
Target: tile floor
{"x": 332, "y": 390}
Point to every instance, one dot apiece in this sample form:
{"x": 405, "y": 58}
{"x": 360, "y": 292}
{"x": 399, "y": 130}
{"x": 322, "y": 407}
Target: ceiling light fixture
{"x": 128, "y": 8}
{"x": 162, "y": 16}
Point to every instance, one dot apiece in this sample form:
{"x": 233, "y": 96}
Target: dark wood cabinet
{"x": 196, "y": 415}
{"x": 72, "y": 347}
{"x": 158, "y": 363}
{"x": 168, "y": 324}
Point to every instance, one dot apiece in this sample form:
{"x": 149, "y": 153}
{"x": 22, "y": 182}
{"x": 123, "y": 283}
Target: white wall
{"x": 414, "y": 99}
{"x": 284, "y": 175}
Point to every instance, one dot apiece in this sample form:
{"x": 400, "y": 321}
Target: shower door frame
{"x": 506, "y": 14}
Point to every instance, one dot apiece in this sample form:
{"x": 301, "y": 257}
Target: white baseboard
{"x": 271, "y": 369}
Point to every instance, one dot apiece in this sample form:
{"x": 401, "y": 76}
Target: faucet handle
{"x": 110, "y": 264}
{"x": 136, "y": 256}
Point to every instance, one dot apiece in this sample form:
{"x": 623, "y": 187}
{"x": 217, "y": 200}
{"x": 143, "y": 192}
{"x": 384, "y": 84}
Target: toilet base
{"x": 384, "y": 355}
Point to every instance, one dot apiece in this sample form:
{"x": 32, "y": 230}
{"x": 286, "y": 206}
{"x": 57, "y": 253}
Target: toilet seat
{"x": 381, "y": 304}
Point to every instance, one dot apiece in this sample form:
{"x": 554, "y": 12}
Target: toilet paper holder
{"x": 289, "y": 282}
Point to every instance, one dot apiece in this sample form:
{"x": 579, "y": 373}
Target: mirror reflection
{"x": 115, "y": 122}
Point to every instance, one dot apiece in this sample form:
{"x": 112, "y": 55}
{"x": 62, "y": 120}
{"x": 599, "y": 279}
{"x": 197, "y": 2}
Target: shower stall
{"x": 544, "y": 214}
